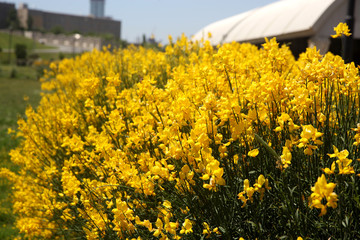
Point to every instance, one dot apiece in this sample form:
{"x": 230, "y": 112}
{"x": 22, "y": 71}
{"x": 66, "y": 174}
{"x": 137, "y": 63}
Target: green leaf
{"x": 267, "y": 147}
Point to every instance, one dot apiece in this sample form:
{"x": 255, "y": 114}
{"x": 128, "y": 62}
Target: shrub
{"x": 57, "y": 30}
{"x": 192, "y": 143}
{"x": 21, "y": 54}
{"x": 13, "y": 73}
{"x": 61, "y": 55}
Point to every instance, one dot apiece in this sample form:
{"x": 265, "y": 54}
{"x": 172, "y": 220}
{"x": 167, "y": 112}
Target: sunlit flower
{"x": 260, "y": 186}
{"x": 253, "y": 153}
{"x": 323, "y": 190}
{"x": 186, "y": 227}
{"x": 286, "y": 157}
{"x": 309, "y": 139}
{"x": 342, "y": 161}
{"x": 341, "y": 29}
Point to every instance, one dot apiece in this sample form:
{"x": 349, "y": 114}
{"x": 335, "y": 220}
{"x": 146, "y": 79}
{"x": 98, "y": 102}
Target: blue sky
{"x": 157, "y": 17}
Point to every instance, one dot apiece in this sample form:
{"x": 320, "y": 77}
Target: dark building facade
{"x": 5, "y": 9}
{"x": 69, "y": 23}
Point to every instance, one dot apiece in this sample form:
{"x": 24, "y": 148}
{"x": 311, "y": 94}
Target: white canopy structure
{"x": 285, "y": 19}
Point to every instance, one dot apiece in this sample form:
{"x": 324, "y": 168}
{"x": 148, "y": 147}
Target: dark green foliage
{"x": 21, "y": 54}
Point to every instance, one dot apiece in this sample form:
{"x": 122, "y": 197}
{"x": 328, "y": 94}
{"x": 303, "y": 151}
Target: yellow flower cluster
{"x": 357, "y": 135}
{"x": 140, "y": 144}
{"x": 309, "y": 139}
{"x": 259, "y": 186}
{"x": 323, "y": 190}
{"x": 286, "y": 157}
{"x": 343, "y": 162}
{"x": 207, "y": 230}
{"x": 282, "y": 120}
{"x": 341, "y": 29}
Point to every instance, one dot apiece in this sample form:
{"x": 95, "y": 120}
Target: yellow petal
{"x": 253, "y": 153}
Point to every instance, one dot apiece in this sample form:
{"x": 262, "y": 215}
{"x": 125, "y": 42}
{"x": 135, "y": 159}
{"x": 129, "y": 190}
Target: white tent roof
{"x": 283, "y": 19}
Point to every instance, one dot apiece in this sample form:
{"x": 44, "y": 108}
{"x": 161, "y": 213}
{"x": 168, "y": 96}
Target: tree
{"x": 30, "y": 22}
{"x": 57, "y": 30}
{"x": 13, "y": 20}
{"x": 21, "y": 54}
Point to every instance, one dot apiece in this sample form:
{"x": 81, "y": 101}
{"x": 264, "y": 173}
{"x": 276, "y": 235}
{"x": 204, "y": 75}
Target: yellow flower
{"x": 321, "y": 117}
{"x": 309, "y": 132}
{"x": 282, "y": 120}
{"x": 206, "y": 230}
{"x": 253, "y": 153}
{"x": 343, "y": 162}
{"x": 10, "y": 131}
{"x": 286, "y": 157}
{"x": 357, "y": 135}
{"x": 216, "y": 231}
{"x": 340, "y": 155}
{"x": 323, "y": 190}
{"x": 167, "y": 204}
{"x": 341, "y": 29}
{"x": 159, "y": 225}
{"x": 186, "y": 227}
{"x": 309, "y": 136}
{"x": 330, "y": 170}
{"x": 257, "y": 187}
{"x": 260, "y": 181}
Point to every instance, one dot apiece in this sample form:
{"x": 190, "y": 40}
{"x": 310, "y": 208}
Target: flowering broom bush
{"x": 194, "y": 142}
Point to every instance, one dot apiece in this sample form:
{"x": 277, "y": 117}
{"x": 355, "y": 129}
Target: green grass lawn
{"x": 12, "y": 105}
{"x": 30, "y": 44}
{"x": 4, "y": 56}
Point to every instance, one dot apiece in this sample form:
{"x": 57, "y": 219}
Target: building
{"x": 47, "y": 21}
{"x": 97, "y": 8}
{"x": 300, "y": 23}
{"x": 5, "y": 9}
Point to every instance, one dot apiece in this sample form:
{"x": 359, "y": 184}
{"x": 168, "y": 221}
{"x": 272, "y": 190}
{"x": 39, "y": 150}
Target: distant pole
{"x": 76, "y": 37}
{"x": 347, "y": 43}
{"x": 10, "y": 40}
